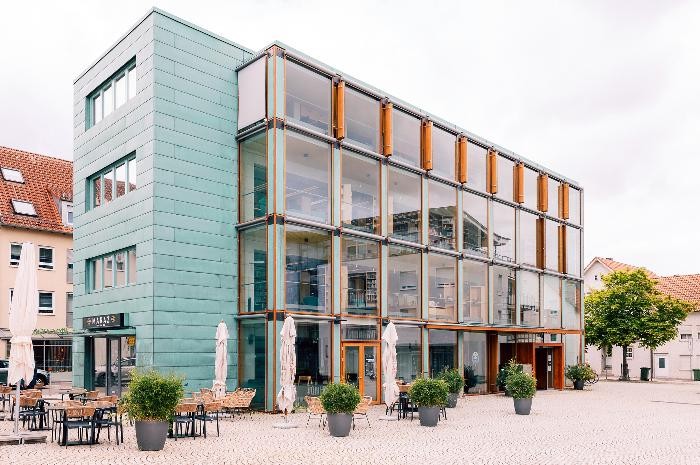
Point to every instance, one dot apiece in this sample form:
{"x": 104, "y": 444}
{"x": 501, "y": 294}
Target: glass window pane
{"x": 308, "y": 100}
{"x": 408, "y": 353}
{"x": 307, "y": 167}
{"x": 475, "y": 276}
{"x": 553, "y": 197}
{"x": 132, "y": 174}
{"x": 308, "y": 269}
{"x": 551, "y": 245}
{"x": 442, "y": 348}
{"x": 530, "y": 188}
{"x": 505, "y": 178}
{"x": 251, "y": 358}
{"x": 476, "y": 167}
{"x": 573, "y": 251}
{"x": 15, "y": 253}
{"x": 121, "y": 180}
{"x": 444, "y": 160}
{"x": 253, "y": 175}
{"x": 503, "y": 232}
{"x": 108, "y": 186}
{"x": 107, "y": 274}
{"x": 121, "y": 268}
{"x": 574, "y": 206}
{"x": 131, "y": 257}
{"x": 571, "y": 303}
{"x": 442, "y": 291}
{"x": 475, "y": 215}
{"x": 475, "y": 358}
{"x": 131, "y": 76}
{"x": 96, "y": 191}
{"x": 46, "y": 258}
{"x": 527, "y": 252}
{"x": 359, "y": 193}
{"x": 404, "y": 205}
{"x": 404, "y": 286}
{"x": 313, "y": 351}
{"x": 551, "y": 306}
{"x": 359, "y": 329}
{"x": 120, "y": 91}
{"x": 108, "y": 96}
{"x": 529, "y": 298}
{"x": 503, "y": 295}
{"x": 251, "y": 93}
{"x": 253, "y": 269}
{"x": 45, "y": 302}
{"x": 359, "y": 273}
{"x": 406, "y": 138}
{"x": 442, "y": 216}
{"x": 361, "y": 119}
{"x": 97, "y": 108}
{"x": 96, "y": 278}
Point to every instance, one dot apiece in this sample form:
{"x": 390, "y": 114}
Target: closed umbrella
{"x": 24, "y": 308}
{"x": 288, "y": 363}
{"x": 391, "y": 390}
{"x": 221, "y": 362}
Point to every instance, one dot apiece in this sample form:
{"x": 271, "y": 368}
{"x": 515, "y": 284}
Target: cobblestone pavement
{"x": 630, "y": 423}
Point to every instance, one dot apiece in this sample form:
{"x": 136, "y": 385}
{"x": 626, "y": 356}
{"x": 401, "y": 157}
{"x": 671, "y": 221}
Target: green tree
{"x": 629, "y": 309}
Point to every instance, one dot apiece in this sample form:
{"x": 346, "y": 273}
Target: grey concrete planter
{"x": 578, "y": 384}
{"x": 452, "y": 399}
{"x": 339, "y": 424}
{"x": 429, "y": 416}
{"x": 150, "y": 435}
{"x": 522, "y": 406}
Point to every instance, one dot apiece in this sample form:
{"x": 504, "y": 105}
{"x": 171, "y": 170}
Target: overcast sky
{"x": 606, "y": 93}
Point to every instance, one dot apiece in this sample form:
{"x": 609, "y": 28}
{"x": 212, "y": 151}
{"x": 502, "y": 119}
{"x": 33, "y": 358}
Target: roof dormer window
{"x": 13, "y": 175}
{"x": 22, "y": 207}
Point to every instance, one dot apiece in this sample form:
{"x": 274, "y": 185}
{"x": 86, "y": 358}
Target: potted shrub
{"x": 522, "y": 386}
{"x": 151, "y": 403}
{"x": 471, "y": 379}
{"x": 429, "y": 395}
{"x": 579, "y": 374}
{"x": 455, "y": 384}
{"x": 511, "y": 367}
{"x": 340, "y": 401}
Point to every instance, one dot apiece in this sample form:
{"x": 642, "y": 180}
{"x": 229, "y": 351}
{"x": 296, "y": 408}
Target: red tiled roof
{"x": 619, "y": 266}
{"x": 47, "y": 181}
{"x": 685, "y": 287}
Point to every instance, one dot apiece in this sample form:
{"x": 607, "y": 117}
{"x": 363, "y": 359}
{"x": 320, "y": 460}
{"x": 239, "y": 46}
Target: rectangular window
{"x": 112, "y": 270}
{"x": 553, "y": 197}
{"x": 251, "y": 93}
{"x": 444, "y": 151}
{"x": 408, "y": 353}
{"x": 15, "y": 253}
{"x": 45, "y": 258}
{"x": 571, "y": 304}
{"x": 96, "y": 184}
{"x": 362, "y": 119}
{"x": 476, "y": 167}
{"x": 108, "y": 97}
{"x": 442, "y": 215}
{"x": 22, "y": 207}
{"x": 111, "y": 182}
{"x": 95, "y": 269}
{"x": 404, "y": 282}
{"x": 69, "y": 310}
{"x": 404, "y": 193}
{"x": 253, "y": 177}
{"x": 686, "y": 336}
{"x": 573, "y": 251}
{"x": 503, "y": 232}
{"x": 475, "y": 227}
{"x": 406, "y": 138}
{"x": 307, "y": 269}
{"x": 574, "y": 206}
{"x": 97, "y": 108}
{"x": 131, "y": 265}
{"x": 359, "y": 193}
{"x": 307, "y": 178}
{"x": 253, "y": 269}
{"x": 442, "y": 295}
{"x": 504, "y": 295}
{"x": 308, "y": 99}
{"x": 108, "y": 271}
{"x": 551, "y": 245}
{"x": 69, "y": 266}
{"x": 530, "y": 188}
{"x": 111, "y": 94}
{"x": 630, "y": 354}
{"x": 359, "y": 276}
{"x": 529, "y": 298}
{"x": 551, "y": 306}
{"x": 527, "y": 251}
{"x": 120, "y": 91}
{"x": 505, "y": 178}
{"x": 45, "y": 302}
{"x": 121, "y": 180}
{"x": 475, "y": 277}
{"x": 69, "y": 213}
{"x": 131, "y": 78}
{"x": 442, "y": 350}
{"x": 108, "y": 186}
{"x": 120, "y": 258}
{"x": 131, "y": 169}
{"x": 253, "y": 356}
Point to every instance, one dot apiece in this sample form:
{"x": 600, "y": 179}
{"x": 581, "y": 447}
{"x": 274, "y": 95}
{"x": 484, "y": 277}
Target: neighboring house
{"x": 675, "y": 359}
{"x": 36, "y": 205}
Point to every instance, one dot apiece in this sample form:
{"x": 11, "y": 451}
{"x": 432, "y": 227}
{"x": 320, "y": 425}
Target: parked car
{"x": 41, "y": 377}
{"x": 128, "y": 365}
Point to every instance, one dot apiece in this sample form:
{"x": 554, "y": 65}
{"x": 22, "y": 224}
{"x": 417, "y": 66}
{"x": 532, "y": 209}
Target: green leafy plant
{"x": 521, "y": 385}
{"x": 471, "y": 379}
{"x": 580, "y": 372}
{"x": 511, "y": 367}
{"x": 340, "y": 398}
{"x": 454, "y": 381}
{"x": 152, "y": 396}
{"x": 427, "y": 392}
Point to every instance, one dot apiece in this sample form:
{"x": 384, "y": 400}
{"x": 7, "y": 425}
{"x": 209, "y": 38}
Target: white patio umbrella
{"x": 24, "y": 308}
{"x": 288, "y": 363}
{"x": 391, "y": 390}
{"x": 221, "y": 362}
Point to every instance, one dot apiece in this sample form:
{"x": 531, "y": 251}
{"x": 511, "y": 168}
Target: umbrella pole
{"x": 17, "y": 409}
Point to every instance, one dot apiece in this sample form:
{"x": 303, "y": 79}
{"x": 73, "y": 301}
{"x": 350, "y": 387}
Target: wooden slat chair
{"x": 57, "y": 416}
{"x": 315, "y": 409}
{"x": 185, "y": 413}
{"x": 362, "y": 410}
{"x": 81, "y": 418}
{"x": 209, "y": 412}
{"x": 239, "y": 401}
{"x": 106, "y": 417}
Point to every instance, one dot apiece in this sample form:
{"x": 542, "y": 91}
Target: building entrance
{"x": 114, "y": 360}
{"x": 360, "y": 366}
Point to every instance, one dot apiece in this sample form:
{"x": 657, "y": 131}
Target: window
{"x": 12, "y": 293}
{"x": 359, "y": 276}
{"x": 112, "y": 94}
{"x": 120, "y": 91}
{"x": 442, "y": 289}
{"x": 307, "y": 269}
{"x": 404, "y": 282}
{"x": 307, "y": 189}
{"x": 251, "y": 93}
{"x": 476, "y": 167}
{"x": 404, "y": 193}
{"x": 527, "y": 252}
{"x": 13, "y": 175}
{"x": 442, "y": 350}
{"x": 45, "y": 302}
{"x": 551, "y": 306}
{"x": 67, "y": 213}
{"x": 308, "y": 99}
{"x": 442, "y": 215}
{"x": 112, "y": 182}
{"x": 551, "y": 240}
{"x": 475, "y": 277}
{"x": 253, "y": 176}
{"x": 108, "y": 186}
{"x": 629, "y": 353}
{"x": 571, "y": 304}
{"x": 116, "y": 269}
{"x": 505, "y": 178}
{"x": 475, "y": 228}
{"x": 444, "y": 161}
{"x": 22, "y": 207}
{"x": 69, "y": 310}
{"x": 252, "y": 357}
{"x": 408, "y": 353}
{"x": 95, "y": 270}
{"x": 108, "y": 101}
{"x": 504, "y": 295}
{"x": 529, "y": 298}
{"x": 131, "y": 265}
{"x": 15, "y": 253}
{"x": 120, "y": 260}
{"x": 108, "y": 271}
{"x": 69, "y": 266}
{"x": 121, "y": 180}
{"x": 553, "y": 197}
{"x": 131, "y": 173}
{"x": 97, "y": 108}
{"x": 253, "y": 269}
{"x": 686, "y": 336}
{"x": 574, "y": 206}
{"x": 45, "y": 258}
{"x": 573, "y": 251}
{"x": 530, "y": 188}
{"x": 406, "y": 138}
{"x": 503, "y": 232}
{"x": 362, "y": 119}
{"x": 359, "y": 193}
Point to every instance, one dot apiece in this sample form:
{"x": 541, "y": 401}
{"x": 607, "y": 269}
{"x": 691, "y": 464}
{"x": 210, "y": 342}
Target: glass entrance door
{"x": 361, "y": 367}
{"x": 114, "y": 362}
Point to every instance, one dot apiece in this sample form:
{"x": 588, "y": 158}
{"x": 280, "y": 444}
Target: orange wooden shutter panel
{"x": 492, "y": 172}
{"x": 339, "y": 109}
{"x": 518, "y": 179}
{"x": 540, "y": 242}
{"x": 542, "y": 201}
{"x": 426, "y": 143}
{"x": 386, "y": 110}
{"x": 562, "y": 249}
{"x": 564, "y": 201}
{"x": 462, "y": 159}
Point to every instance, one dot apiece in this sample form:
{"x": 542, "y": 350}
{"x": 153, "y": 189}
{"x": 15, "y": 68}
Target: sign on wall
{"x": 113, "y": 320}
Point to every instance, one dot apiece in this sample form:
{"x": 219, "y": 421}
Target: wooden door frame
{"x": 361, "y": 357}
{"x": 557, "y": 361}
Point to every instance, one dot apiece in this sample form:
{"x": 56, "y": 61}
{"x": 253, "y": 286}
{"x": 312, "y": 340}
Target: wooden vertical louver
{"x": 426, "y": 145}
{"x": 385, "y": 120}
{"x": 339, "y": 110}
{"x": 492, "y": 172}
{"x": 461, "y": 159}
{"x": 518, "y": 183}
{"x": 542, "y": 201}
{"x": 562, "y": 248}
{"x": 564, "y": 201}
{"x": 540, "y": 243}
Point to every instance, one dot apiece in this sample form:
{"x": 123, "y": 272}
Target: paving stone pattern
{"x": 631, "y": 423}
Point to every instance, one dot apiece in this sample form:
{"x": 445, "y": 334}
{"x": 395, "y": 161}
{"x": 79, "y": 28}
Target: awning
{"x": 106, "y": 332}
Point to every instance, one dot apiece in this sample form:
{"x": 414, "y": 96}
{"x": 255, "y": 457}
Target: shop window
{"x": 253, "y": 177}
{"x": 409, "y": 357}
{"x": 406, "y": 138}
{"x": 442, "y": 349}
{"x": 476, "y": 167}
{"x": 442, "y": 289}
{"x": 307, "y": 186}
{"x": 527, "y": 252}
{"x": 308, "y": 98}
{"x": 251, "y": 358}
{"x": 504, "y": 288}
{"x": 359, "y": 276}
{"x": 529, "y": 288}
{"x": 361, "y": 119}
{"x": 307, "y": 269}
{"x": 442, "y": 215}
{"x": 253, "y": 269}
{"x": 359, "y": 193}
{"x": 475, "y": 288}
{"x": 551, "y": 306}
{"x": 475, "y": 358}
{"x": 475, "y": 228}
{"x": 503, "y": 232}
{"x": 314, "y": 356}
{"x": 404, "y": 282}
{"x": 444, "y": 153}
{"x": 404, "y": 205}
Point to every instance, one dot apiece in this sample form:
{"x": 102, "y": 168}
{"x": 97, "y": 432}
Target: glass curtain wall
{"x": 573, "y": 251}
{"x": 475, "y": 279}
{"x": 253, "y": 177}
{"x": 571, "y": 304}
{"x": 408, "y": 353}
{"x": 406, "y": 138}
{"x": 359, "y": 276}
{"x": 574, "y": 206}
{"x": 529, "y": 287}
{"x": 504, "y": 295}
{"x": 307, "y": 178}
{"x": 404, "y": 282}
{"x": 361, "y": 119}
{"x": 444, "y": 159}
{"x": 551, "y": 306}
{"x": 253, "y": 269}
{"x": 308, "y": 98}
{"x": 442, "y": 348}
{"x": 527, "y": 252}
{"x": 503, "y": 232}
{"x": 551, "y": 241}
{"x": 475, "y": 224}
{"x": 359, "y": 193}
{"x": 442, "y": 279}
{"x": 530, "y": 188}
{"x": 476, "y": 167}
{"x": 251, "y": 358}
{"x": 308, "y": 269}
{"x": 505, "y": 178}
{"x": 404, "y": 205}
{"x": 442, "y": 215}
{"x": 475, "y": 357}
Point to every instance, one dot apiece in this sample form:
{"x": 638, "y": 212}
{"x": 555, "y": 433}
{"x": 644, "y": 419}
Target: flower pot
{"x": 150, "y": 435}
{"x": 429, "y": 416}
{"x": 578, "y": 384}
{"x": 339, "y": 424}
{"x": 452, "y": 399}
{"x": 522, "y": 406}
